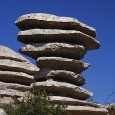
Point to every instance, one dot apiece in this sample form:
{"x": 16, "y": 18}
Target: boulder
{"x": 16, "y": 77}
{"x": 54, "y": 49}
{"x": 62, "y": 64}
{"x": 82, "y": 110}
{"x": 70, "y": 101}
{"x": 7, "y": 53}
{"x": 54, "y": 35}
{"x": 11, "y": 65}
{"x": 62, "y": 89}
{"x": 60, "y": 75}
{"x": 41, "y": 20}
{"x": 2, "y": 112}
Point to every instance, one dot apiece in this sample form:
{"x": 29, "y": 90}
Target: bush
{"x": 36, "y": 103}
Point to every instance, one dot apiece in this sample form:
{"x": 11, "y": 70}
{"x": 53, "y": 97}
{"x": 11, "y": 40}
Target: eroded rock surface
{"x": 71, "y": 101}
{"x": 7, "y": 53}
{"x": 63, "y": 89}
{"x": 16, "y": 77}
{"x": 62, "y": 64}
{"x": 82, "y": 110}
{"x": 54, "y": 35}
{"x": 11, "y": 65}
{"x": 60, "y": 75}
{"x": 41, "y": 20}
{"x": 54, "y": 49}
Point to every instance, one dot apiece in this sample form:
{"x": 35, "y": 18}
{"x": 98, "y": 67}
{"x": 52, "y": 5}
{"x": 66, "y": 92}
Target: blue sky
{"x": 99, "y": 14}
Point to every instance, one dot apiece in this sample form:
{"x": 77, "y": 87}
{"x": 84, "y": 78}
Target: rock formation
{"x": 57, "y": 44}
{"x": 16, "y": 75}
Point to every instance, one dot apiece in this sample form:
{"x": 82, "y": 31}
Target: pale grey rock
{"x": 14, "y": 86}
{"x": 5, "y": 100}
{"x": 7, "y": 53}
{"x": 62, "y": 64}
{"x": 82, "y": 110}
{"x": 54, "y": 35}
{"x": 16, "y": 77}
{"x": 12, "y": 93}
{"x": 71, "y": 101}
{"x": 60, "y": 75}
{"x": 63, "y": 89}
{"x": 111, "y": 108}
{"x": 11, "y": 65}
{"x": 54, "y": 49}
{"x": 2, "y": 112}
{"x": 41, "y": 20}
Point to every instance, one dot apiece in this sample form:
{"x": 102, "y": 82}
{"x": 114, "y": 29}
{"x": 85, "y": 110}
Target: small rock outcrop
{"x": 58, "y": 44}
{"x": 2, "y": 112}
{"x": 16, "y": 75}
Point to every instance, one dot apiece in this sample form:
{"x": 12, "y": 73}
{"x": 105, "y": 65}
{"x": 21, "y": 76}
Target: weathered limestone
{"x": 54, "y": 35}
{"x": 10, "y": 92}
{"x": 60, "y": 75}
{"x": 2, "y": 112}
{"x": 14, "y": 86}
{"x": 16, "y": 77}
{"x": 62, "y": 64}
{"x": 11, "y": 65}
{"x": 71, "y": 101}
{"x": 64, "y": 89}
{"x": 7, "y": 100}
{"x": 7, "y": 53}
{"x": 14, "y": 68}
{"x": 54, "y": 49}
{"x": 41, "y": 20}
{"x": 82, "y": 110}
{"x": 57, "y": 44}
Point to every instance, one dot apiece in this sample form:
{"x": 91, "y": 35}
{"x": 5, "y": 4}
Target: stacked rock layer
{"x": 16, "y": 75}
{"x": 58, "y": 44}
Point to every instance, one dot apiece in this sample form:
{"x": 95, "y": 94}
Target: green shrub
{"x": 36, "y": 103}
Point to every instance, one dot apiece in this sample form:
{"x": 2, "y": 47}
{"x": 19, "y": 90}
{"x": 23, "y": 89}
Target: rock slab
{"x": 41, "y": 20}
{"x": 60, "y": 75}
{"x": 16, "y": 77}
{"x": 54, "y": 49}
{"x": 54, "y": 35}
{"x": 82, "y": 110}
{"x": 59, "y": 63}
{"x": 63, "y": 89}
{"x": 11, "y": 65}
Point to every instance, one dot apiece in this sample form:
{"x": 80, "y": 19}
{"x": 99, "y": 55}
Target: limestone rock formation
{"x": 41, "y": 20}
{"x": 82, "y": 110}
{"x": 63, "y": 89}
{"x": 62, "y": 64}
{"x": 74, "y": 102}
{"x": 57, "y": 44}
{"x": 54, "y": 49}
{"x": 16, "y": 74}
{"x": 7, "y": 53}
{"x": 54, "y": 35}
{"x": 60, "y": 75}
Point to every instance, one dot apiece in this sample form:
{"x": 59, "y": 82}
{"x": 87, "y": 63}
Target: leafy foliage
{"x": 36, "y": 103}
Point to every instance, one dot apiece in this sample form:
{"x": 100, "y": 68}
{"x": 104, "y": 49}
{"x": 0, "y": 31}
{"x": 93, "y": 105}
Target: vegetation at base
{"x": 36, "y": 103}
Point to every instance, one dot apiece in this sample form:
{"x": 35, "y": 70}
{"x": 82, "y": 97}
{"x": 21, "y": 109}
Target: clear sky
{"x": 99, "y": 14}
